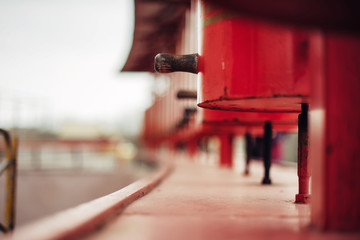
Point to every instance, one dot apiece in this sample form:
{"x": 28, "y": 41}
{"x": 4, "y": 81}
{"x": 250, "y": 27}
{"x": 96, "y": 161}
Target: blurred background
{"x": 62, "y": 93}
{"x": 60, "y": 64}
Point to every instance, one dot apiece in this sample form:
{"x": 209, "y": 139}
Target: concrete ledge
{"x": 87, "y": 217}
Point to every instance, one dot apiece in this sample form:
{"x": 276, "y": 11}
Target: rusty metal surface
{"x": 167, "y": 63}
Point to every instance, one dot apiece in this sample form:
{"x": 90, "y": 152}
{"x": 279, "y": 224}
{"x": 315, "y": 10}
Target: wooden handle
{"x": 166, "y": 63}
{"x": 185, "y": 94}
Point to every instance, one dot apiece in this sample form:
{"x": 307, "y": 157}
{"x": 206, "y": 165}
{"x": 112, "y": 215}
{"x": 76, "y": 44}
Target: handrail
{"x": 9, "y": 167}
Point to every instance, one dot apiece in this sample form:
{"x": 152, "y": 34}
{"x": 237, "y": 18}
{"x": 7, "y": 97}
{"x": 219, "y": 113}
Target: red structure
{"x": 249, "y": 66}
{"x": 254, "y": 67}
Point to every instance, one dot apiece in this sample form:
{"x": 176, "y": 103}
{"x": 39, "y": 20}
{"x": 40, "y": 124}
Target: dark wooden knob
{"x": 185, "y": 94}
{"x": 166, "y": 63}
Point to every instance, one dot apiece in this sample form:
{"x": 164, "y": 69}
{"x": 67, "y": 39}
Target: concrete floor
{"x": 199, "y": 201}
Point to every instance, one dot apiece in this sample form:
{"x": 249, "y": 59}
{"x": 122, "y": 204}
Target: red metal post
{"x": 226, "y": 148}
{"x": 303, "y": 168}
{"x": 335, "y": 133}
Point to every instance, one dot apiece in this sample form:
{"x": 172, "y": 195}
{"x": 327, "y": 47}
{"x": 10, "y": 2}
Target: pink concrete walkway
{"x": 204, "y": 202}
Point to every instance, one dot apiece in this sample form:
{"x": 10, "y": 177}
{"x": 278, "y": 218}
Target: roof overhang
{"x": 157, "y": 28}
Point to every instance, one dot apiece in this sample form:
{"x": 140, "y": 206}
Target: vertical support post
{"x": 248, "y": 148}
{"x": 10, "y": 175}
{"x": 226, "y": 148}
{"x": 303, "y": 167}
{"x": 334, "y": 129}
{"x": 267, "y": 152}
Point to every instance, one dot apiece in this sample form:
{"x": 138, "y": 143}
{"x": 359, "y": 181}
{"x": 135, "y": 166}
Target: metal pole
{"x": 10, "y": 174}
{"x": 10, "y": 181}
{"x": 267, "y": 152}
{"x": 249, "y": 147}
{"x": 303, "y": 169}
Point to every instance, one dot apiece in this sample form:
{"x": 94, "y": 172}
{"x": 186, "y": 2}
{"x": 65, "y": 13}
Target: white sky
{"x": 64, "y": 56}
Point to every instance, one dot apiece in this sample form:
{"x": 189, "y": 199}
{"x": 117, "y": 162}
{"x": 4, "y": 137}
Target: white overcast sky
{"x": 63, "y": 58}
